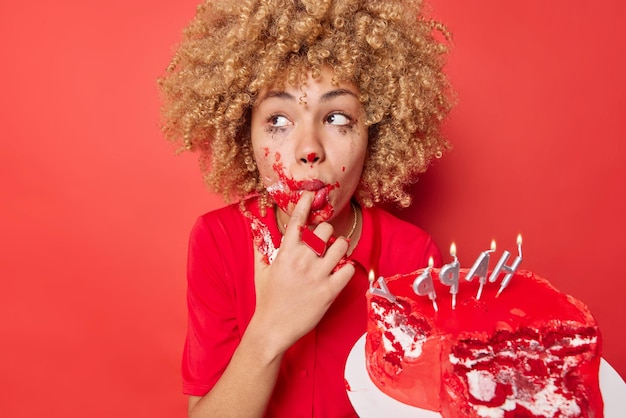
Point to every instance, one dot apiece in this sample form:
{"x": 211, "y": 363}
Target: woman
{"x": 306, "y": 114}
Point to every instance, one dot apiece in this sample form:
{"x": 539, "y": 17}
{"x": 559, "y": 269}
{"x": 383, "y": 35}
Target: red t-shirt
{"x": 221, "y": 301}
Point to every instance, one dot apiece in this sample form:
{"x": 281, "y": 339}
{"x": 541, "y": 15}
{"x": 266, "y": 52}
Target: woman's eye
{"x": 338, "y": 119}
{"x": 278, "y": 121}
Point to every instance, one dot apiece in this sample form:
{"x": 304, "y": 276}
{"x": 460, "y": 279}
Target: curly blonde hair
{"x": 233, "y": 49}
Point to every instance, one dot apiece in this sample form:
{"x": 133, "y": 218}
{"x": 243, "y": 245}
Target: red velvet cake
{"x": 533, "y": 351}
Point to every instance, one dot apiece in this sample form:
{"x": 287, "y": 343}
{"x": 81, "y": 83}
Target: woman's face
{"x": 310, "y": 137}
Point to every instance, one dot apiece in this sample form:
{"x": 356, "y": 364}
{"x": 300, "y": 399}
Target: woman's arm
{"x": 247, "y": 383}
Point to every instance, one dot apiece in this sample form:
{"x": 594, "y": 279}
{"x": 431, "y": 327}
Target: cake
{"x": 532, "y": 351}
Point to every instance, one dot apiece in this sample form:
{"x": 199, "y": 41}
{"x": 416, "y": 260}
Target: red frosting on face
{"x": 287, "y": 191}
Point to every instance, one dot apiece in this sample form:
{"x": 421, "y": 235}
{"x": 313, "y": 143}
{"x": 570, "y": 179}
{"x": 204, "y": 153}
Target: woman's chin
{"x": 324, "y": 214}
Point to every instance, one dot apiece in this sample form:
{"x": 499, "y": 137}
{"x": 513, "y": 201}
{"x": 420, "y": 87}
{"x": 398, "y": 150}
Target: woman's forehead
{"x": 308, "y": 78}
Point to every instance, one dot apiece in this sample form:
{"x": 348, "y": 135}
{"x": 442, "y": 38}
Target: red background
{"x": 95, "y": 207}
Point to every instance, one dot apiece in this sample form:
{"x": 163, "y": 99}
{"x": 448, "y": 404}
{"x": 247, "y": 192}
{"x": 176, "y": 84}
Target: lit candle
{"x": 449, "y": 275}
{"x": 480, "y": 269}
{"x": 513, "y": 268}
{"x": 499, "y": 266}
{"x": 383, "y": 291}
{"x": 424, "y": 286}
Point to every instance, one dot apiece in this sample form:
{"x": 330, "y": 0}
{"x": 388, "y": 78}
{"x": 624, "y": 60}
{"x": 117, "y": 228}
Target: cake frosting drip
{"x": 531, "y": 352}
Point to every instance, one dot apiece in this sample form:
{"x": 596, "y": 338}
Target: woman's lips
{"x": 311, "y": 185}
{"x": 321, "y": 199}
{"x": 289, "y": 192}
{"x": 321, "y": 192}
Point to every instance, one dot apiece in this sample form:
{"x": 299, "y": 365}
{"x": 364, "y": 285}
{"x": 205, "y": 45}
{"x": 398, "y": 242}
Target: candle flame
{"x": 431, "y": 262}
{"x": 519, "y": 239}
{"x": 452, "y": 249}
{"x": 371, "y": 276}
{"x": 493, "y": 245}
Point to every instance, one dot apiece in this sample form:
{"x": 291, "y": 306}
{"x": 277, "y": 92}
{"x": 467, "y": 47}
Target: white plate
{"x": 370, "y": 402}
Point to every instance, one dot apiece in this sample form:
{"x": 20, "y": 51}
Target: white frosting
{"x": 262, "y": 238}
{"x": 569, "y": 342}
{"x": 482, "y": 385}
{"x": 279, "y": 186}
{"x": 487, "y": 412}
{"x": 547, "y": 400}
{"x": 410, "y": 341}
{"x": 478, "y": 356}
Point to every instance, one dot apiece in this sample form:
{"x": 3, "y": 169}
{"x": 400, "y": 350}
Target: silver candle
{"x": 449, "y": 275}
{"x": 383, "y": 291}
{"x": 510, "y": 270}
{"x": 424, "y": 286}
{"x": 481, "y": 268}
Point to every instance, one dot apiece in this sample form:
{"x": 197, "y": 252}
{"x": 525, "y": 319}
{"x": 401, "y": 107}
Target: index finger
{"x": 300, "y": 214}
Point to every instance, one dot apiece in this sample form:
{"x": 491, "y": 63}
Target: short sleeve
{"x": 213, "y": 326}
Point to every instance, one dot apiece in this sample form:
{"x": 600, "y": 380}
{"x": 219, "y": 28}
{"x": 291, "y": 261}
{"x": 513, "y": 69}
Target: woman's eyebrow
{"x": 336, "y": 93}
{"x": 276, "y": 94}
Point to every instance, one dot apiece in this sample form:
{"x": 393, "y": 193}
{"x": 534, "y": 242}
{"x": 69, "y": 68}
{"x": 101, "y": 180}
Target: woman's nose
{"x": 311, "y": 157}
{"x": 310, "y": 149}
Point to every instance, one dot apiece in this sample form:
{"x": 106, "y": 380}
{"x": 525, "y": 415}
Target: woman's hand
{"x": 296, "y": 290}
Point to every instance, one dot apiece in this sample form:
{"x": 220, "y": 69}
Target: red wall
{"x": 96, "y": 208}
